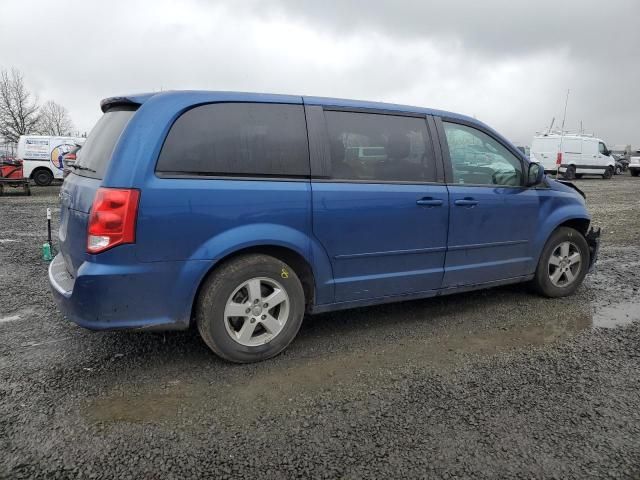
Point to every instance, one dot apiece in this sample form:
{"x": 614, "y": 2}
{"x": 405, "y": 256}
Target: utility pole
{"x": 564, "y": 117}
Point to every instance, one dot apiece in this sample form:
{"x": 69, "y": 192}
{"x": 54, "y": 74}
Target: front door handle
{"x": 429, "y": 202}
{"x": 466, "y": 202}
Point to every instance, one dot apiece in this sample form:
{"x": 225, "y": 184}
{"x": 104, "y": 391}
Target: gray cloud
{"x": 507, "y": 63}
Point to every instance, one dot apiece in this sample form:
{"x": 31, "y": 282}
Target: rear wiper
{"x": 82, "y": 167}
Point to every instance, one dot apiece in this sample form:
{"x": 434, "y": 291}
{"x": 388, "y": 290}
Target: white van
{"x": 579, "y": 155}
{"x": 42, "y": 156}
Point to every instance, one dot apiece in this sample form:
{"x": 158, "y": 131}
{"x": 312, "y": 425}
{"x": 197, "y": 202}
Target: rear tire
{"x": 608, "y": 173}
{"x": 556, "y": 275}
{"x": 43, "y": 178}
{"x": 244, "y": 286}
{"x": 635, "y": 173}
{"x": 570, "y": 172}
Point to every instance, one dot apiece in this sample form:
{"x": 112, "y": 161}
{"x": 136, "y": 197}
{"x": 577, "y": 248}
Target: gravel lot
{"x": 498, "y": 383}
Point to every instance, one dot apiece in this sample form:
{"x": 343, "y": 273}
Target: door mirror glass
{"x": 535, "y": 174}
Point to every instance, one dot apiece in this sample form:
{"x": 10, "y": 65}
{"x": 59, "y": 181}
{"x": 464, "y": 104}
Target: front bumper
{"x": 593, "y": 240}
{"x": 153, "y": 296}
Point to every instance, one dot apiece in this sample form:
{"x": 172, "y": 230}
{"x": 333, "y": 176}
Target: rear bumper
{"x": 593, "y": 240}
{"x": 153, "y": 296}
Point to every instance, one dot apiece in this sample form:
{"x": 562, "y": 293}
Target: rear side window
{"x": 377, "y": 147}
{"x": 238, "y": 139}
{"x": 94, "y": 156}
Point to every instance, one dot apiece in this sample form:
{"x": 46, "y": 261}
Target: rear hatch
{"x": 79, "y": 188}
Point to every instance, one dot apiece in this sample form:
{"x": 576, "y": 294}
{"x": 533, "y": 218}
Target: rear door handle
{"x": 429, "y": 202}
{"x": 466, "y": 202}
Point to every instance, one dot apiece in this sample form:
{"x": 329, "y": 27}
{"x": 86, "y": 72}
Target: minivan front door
{"x": 378, "y": 211}
{"x": 493, "y": 216}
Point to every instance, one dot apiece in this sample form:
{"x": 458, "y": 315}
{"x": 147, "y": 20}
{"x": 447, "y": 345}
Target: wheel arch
{"x": 291, "y": 257}
{"x": 40, "y": 168}
{"x": 561, "y": 218}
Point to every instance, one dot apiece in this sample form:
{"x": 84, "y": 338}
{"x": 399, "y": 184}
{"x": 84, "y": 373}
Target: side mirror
{"x": 535, "y": 174}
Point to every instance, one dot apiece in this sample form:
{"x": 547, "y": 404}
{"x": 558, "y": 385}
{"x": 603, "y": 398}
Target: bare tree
{"x": 54, "y": 120}
{"x": 19, "y": 110}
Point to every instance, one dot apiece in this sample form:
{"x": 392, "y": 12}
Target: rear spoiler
{"x": 113, "y": 102}
{"x": 128, "y": 101}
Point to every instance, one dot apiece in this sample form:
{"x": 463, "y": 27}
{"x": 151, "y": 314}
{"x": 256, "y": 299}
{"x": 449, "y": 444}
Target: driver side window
{"x": 602, "y": 148}
{"x": 478, "y": 159}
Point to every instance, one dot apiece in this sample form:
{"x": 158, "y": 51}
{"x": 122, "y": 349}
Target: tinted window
{"x": 95, "y": 154}
{"x": 478, "y": 159}
{"x": 367, "y": 146}
{"x": 238, "y": 139}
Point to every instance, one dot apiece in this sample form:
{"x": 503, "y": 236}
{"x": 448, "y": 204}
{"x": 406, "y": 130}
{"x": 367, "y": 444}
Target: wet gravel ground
{"x": 498, "y": 383}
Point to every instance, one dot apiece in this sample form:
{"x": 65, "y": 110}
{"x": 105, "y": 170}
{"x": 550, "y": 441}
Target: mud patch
{"x": 242, "y": 398}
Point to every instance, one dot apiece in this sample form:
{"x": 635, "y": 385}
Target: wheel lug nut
{"x": 263, "y": 317}
{"x": 253, "y": 320}
{"x": 265, "y": 305}
{"x": 248, "y": 310}
{"x": 256, "y": 301}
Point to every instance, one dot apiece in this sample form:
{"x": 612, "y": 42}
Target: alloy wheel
{"x": 565, "y": 263}
{"x": 256, "y": 311}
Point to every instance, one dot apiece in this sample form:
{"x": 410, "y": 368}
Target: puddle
{"x": 145, "y": 407}
{"x": 616, "y": 315}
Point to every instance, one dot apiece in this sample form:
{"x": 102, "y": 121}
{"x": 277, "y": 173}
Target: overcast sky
{"x": 508, "y": 63}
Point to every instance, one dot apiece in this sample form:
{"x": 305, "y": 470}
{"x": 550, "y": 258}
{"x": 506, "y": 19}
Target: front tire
{"x": 634, "y": 172}
{"x": 570, "y": 173}
{"x": 250, "y": 309}
{"x": 563, "y": 263}
{"x": 608, "y": 173}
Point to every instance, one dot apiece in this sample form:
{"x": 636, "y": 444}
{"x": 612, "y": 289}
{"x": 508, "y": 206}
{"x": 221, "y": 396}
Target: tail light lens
{"x": 112, "y": 220}
{"x": 559, "y": 159}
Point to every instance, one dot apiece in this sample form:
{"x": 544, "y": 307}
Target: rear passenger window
{"x": 238, "y": 139}
{"x": 377, "y": 147}
{"x": 478, "y": 159}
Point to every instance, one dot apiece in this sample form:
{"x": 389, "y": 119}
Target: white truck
{"x": 634, "y": 163}
{"x": 578, "y": 155}
{"x": 42, "y": 156}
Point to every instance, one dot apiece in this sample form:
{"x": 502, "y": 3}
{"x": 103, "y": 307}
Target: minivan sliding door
{"x": 377, "y": 208}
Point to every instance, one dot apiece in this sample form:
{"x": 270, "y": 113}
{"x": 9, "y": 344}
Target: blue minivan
{"x": 241, "y": 212}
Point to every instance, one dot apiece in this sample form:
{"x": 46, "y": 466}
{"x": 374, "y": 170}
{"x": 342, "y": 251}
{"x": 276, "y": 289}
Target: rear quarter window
{"x": 95, "y": 154}
{"x": 238, "y": 139}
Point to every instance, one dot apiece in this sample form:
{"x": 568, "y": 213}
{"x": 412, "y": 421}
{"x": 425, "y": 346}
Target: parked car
{"x": 69, "y": 160}
{"x": 579, "y": 155}
{"x": 239, "y": 213}
{"x": 621, "y": 161}
{"x": 634, "y": 164}
{"x": 42, "y": 156}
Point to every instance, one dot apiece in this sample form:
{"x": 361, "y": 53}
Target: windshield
{"x": 94, "y": 156}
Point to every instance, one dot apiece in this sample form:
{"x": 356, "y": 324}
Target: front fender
{"x": 240, "y": 238}
{"x": 552, "y": 220}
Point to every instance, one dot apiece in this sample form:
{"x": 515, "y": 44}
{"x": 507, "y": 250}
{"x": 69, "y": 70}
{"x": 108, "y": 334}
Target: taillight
{"x": 112, "y": 220}
{"x": 559, "y": 159}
